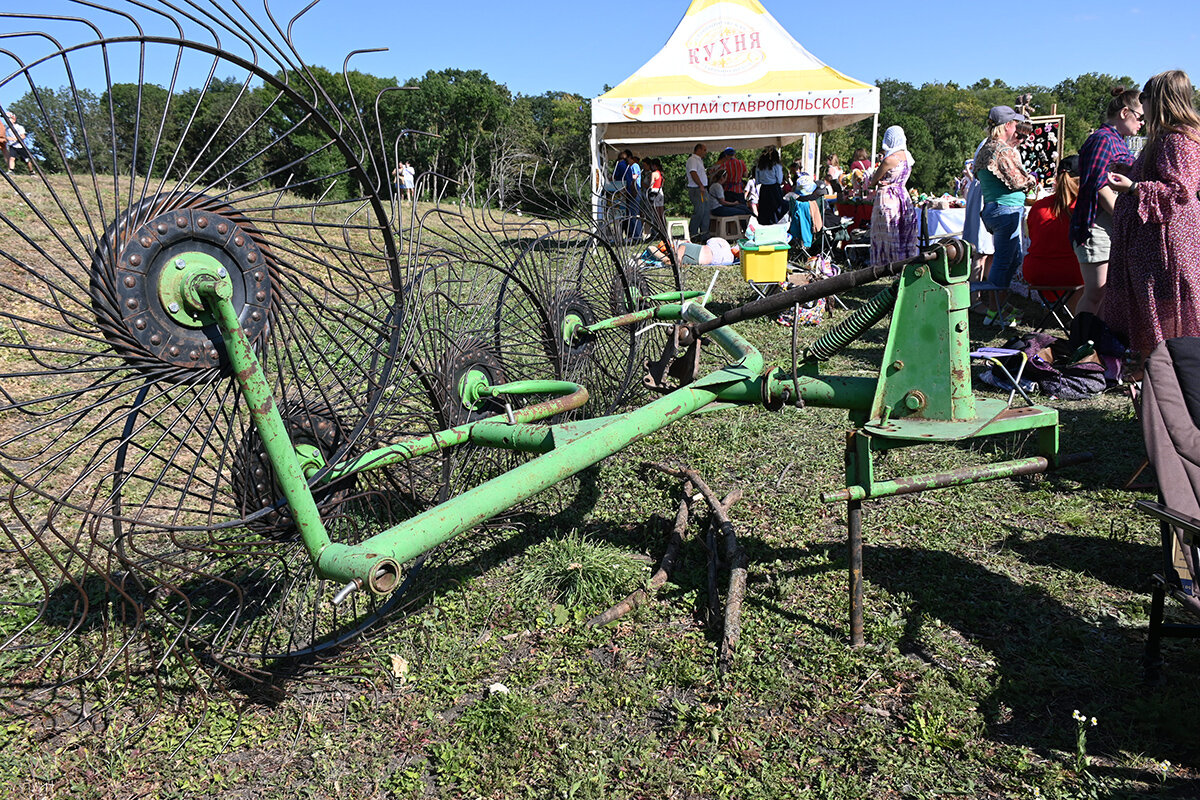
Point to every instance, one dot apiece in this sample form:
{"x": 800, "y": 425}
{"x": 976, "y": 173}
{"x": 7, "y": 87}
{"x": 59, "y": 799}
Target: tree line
{"x": 454, "y": 123}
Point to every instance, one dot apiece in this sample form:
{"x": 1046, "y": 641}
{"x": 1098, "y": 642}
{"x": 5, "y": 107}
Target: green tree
{"x": 137, "y": 130}
{"x": 58, "y": 122}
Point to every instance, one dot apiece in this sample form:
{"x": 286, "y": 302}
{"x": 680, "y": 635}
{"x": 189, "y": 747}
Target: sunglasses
{"x": 1139, "y": 116}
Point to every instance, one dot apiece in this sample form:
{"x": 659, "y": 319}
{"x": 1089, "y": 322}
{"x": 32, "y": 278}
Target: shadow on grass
{"x": 1050, "y": 659}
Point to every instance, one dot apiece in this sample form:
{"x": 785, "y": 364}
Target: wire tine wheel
{"x": 143, "y": 523}
{"x": 470, "y": 314}
{"x": 587, "y": 257}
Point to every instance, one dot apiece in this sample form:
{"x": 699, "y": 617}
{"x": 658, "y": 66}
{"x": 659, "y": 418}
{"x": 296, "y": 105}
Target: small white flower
{"x": 1077, "y": 716}
{"x": 497, "y": 688}
{"x": 1094, "y": 723}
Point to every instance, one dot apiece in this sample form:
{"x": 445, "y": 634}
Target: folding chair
{"x": 1056, "y": 299}
{"x": 1171, "y": 426}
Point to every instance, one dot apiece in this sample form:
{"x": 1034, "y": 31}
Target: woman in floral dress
{"x": 1154, "y": 267}
{"x": 894, "y": 220}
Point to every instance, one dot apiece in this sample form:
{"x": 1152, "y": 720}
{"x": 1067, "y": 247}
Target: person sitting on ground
{"x": 719, "y": 204}
{"x": 1051, "y": 259}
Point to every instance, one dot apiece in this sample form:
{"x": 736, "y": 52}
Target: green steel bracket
{"x": 310, "y": 458}
{"x": 926, "y": 370}
{"x": 202, "y": 285}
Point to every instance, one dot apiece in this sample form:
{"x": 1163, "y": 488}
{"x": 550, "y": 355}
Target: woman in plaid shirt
{"x": 1091, "y": 221}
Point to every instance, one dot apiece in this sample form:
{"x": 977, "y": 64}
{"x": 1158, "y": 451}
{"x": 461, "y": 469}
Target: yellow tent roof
{"x": 732, "y": 75}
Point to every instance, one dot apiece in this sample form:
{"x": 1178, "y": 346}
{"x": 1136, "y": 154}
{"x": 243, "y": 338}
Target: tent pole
{"x": 874, "y": 138}
{"x": 817, "y": 165}
{"x": 596, "y": 180}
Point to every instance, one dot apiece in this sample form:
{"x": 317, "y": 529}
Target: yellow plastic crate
{"x": 765, "y": 264}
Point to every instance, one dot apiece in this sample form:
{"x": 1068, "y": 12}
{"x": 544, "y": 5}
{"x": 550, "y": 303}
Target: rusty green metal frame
{"x": 922, "y": 394}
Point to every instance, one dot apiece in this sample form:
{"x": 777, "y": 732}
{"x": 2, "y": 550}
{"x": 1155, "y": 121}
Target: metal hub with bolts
{"x": 161, "y": 316}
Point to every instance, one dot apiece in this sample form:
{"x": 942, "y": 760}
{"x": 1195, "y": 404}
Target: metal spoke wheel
{"x": 136, "y": 480}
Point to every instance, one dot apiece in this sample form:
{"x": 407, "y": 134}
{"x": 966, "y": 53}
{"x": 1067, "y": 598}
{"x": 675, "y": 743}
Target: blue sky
{"x": 537, "y": 45}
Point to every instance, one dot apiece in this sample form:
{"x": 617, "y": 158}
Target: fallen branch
{"x": 642, "y": 596}
{"x": 735, "y": 556}
{"x": 738, "y": 563}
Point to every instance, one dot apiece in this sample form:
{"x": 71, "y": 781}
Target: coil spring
{"x": 854, "y": 326}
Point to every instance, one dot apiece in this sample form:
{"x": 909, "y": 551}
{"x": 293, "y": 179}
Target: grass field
{"x": 1004, "y": 627}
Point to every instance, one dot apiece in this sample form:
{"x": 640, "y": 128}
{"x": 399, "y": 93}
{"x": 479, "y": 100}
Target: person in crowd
{"x": 792, "y": 182}
{"x": 974, "y": 234}
{"x": 963, "y": 181}
{"x": 15, "y": 144}
{"x": 1154, "y": 272}
{"x": 1091, "y": 222}
{"x": 409, "y": 178}
{"x": 894, "y": 225}
{"x": 832, "y": 175}
{"x": 1051, "y": 259}
{"x": 720, "y": 204}
{"x": 752, "y": 196}
{"x": 619, "y": 167}
{"x": 1003, "y": 182}
{"x": 658, "y": 199}
{"x": 768, "y": 174}
{"x": 697, "y": 187}
{"x": 861, "y": 161}
{"x": 633, "y": 197}
{"x": 735, "y": 174}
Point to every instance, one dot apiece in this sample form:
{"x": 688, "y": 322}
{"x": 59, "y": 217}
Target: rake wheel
{"x": 129, "y": 453}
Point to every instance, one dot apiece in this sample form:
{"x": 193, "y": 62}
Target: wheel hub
{"x": 317, "y": 434}
{"x": 462, "y": 367}
{"x": 570, "y": 314}
{"x": 146, "y": 283}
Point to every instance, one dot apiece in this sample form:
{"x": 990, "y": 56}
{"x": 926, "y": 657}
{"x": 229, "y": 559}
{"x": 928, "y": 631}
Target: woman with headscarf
{"x": 894, "y": 226}
{"x": 1154, "y": 272}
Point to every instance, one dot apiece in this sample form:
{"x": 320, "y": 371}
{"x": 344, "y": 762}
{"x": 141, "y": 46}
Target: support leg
{"x": 1152, "y": 659}
{"x": 854, "y": 540}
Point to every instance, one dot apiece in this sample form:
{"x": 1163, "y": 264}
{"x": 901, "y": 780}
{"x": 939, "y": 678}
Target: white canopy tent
{"x": 729, "y": 76}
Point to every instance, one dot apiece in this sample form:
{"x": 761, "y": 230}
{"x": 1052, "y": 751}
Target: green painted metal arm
{"x": 489, "y": 430}
{"x": 208, "y": 285}
{"x": 375, "y": 563}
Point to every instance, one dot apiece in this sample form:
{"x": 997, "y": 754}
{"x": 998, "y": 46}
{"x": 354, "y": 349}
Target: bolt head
{"x": 180, "y": 263}
{"x": 221, "y": 273}
{"x": 173, "y": 308}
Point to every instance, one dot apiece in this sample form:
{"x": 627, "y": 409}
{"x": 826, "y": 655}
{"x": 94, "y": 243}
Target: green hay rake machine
{"x": 240, "y": 410}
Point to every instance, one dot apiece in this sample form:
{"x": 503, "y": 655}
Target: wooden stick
{"x": 642, "y": 596}
{"x": 738, "y": 563}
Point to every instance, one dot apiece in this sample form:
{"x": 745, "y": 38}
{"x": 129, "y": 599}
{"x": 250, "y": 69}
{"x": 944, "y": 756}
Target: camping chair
{"x": 1056, "y": 299}
{"x": 1171, "y": 426}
